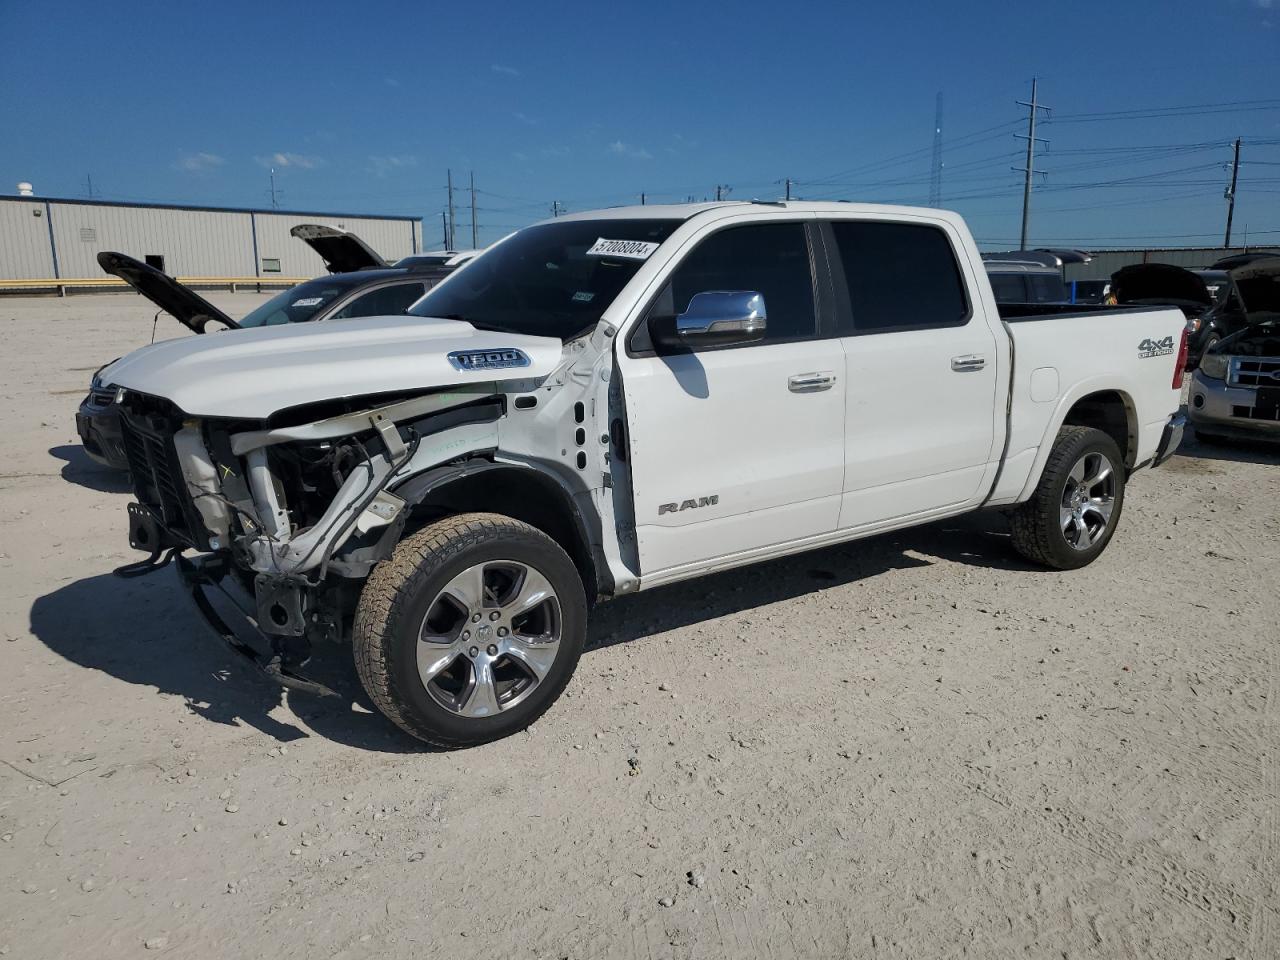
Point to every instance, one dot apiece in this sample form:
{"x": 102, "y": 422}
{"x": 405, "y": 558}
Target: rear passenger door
{"x": 921, "y": 367}
{"x": 739, "y": 448}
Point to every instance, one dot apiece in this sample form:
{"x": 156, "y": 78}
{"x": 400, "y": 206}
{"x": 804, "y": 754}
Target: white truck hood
{"x": 256, "y": 372}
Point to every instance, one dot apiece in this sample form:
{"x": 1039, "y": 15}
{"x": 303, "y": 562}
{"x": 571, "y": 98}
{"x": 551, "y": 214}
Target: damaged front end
{"x": 295, "y": 510}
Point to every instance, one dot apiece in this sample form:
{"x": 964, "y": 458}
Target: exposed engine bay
{"x": 299, "y": 507}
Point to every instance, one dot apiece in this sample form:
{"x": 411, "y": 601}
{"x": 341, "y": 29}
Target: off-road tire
{"x": 1036, "y": 525}
{"x": 393, "y": 604}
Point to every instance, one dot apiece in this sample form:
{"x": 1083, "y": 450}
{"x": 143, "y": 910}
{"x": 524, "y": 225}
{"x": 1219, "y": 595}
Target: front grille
{"x": 1271, "y": 415}
{"x": 157, "y": 478}
{"x": 1254, "y": 372}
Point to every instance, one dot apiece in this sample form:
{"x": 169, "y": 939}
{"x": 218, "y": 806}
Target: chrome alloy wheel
{"x": 1088, "y": 499}
{"x": 488, "y": 638}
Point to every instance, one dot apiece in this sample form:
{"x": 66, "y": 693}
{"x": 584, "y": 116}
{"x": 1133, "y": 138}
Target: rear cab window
{"x": 895, "y": 276}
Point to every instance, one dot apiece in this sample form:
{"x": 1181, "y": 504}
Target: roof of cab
{"x": 685, "y": 211}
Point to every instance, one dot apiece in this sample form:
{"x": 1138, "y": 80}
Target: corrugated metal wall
{"x": 1107, "y": 262}
{"x": 24, "y": 241}
{"x": 193, "y": 242}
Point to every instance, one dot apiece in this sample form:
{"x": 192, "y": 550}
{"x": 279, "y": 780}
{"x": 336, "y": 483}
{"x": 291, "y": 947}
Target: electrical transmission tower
{"x": 935, "y": 180}
{"x": 1029, "y": 170}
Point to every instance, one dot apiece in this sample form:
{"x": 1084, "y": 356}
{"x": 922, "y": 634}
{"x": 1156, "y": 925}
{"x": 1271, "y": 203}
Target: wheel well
{"x": 1111, "y": 412}
{"x": 522, "y": 494}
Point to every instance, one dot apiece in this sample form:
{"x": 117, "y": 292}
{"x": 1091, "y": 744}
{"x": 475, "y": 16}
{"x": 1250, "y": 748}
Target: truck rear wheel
{"x": 471, "y": 630}
{"x": 1073, "y": 513}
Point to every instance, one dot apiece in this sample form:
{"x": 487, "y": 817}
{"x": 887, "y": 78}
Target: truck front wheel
{"x": 471, "y": 630}
{"x": 1075, "y": 508}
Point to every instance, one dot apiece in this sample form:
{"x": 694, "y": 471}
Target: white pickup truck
{"x": 613, "y": 401}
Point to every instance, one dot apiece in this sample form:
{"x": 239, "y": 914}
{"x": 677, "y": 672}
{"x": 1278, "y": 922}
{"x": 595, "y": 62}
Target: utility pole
{"x": 722, "y": 191}
{"x": 1231, "y": 193}
{"x": 555, "y": 208}
{"x": 935, "y": 180}
{"x": 642, "y": 199}
{"x": 88, "y": 181}
{"x": 449, "y": 178}
{"x": 1029, "y": 170}
{"x": 788, "y": 188}
{"x": 444, "y": 228}
{"x": 274, "y": 204}
{"x": 474, "y": 244}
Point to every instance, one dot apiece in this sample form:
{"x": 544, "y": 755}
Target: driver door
{"x": 738, "y": 448}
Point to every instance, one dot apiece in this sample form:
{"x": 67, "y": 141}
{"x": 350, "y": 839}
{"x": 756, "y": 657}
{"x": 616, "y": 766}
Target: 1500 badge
{"x": 488, "y": 359}
{"x": 1155, "y": 348}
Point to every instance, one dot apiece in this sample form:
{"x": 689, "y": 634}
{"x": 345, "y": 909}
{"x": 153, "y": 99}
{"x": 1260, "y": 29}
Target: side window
{"x": 900, "y": 276}
{"x": 383, "y": 302}
{"x": 770, "y": 258}
{"x": 1047, "y": 289}
{"x": 1008, "y": 288}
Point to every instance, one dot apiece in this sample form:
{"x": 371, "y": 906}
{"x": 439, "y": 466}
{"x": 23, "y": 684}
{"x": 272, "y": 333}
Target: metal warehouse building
{"x": 46, "y": 239}
{"x": 1107, "y": 262}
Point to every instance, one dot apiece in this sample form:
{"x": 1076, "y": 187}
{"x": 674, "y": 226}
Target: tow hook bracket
{"x": 281, "y": 608}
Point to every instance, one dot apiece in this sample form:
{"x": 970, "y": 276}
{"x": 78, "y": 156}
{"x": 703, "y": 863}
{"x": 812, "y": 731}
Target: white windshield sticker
{"x": 583, "y": 296}
{"x": 308, "y": 301}
{"x": 626, "y": 249}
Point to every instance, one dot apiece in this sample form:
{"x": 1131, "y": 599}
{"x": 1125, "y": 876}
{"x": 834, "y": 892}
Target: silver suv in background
{"x": 1235, "y": 392}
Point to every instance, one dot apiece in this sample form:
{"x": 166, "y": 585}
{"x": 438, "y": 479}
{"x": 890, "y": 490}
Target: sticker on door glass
{"x": 626, "y": 249}
{"x": 583, "y": 296}
{"x": 308, "y": 302}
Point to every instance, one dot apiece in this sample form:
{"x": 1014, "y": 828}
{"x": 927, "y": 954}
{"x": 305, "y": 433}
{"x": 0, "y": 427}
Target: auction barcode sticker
{"x": 627, "y": 249}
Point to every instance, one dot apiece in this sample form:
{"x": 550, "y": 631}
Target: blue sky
{"x": 364, "y": 107}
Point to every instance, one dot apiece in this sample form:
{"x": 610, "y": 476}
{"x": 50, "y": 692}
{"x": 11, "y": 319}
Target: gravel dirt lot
{"x": 910, "y": 746}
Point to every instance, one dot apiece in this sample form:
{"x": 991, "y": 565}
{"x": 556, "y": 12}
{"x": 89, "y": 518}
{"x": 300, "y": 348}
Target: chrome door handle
{"x": 968, "y": 362}
{"x": 811, "y": 382}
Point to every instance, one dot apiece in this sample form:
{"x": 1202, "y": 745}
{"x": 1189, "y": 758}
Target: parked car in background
{"x": 1033, "y": 276}
{"x": 365, "y": 290}
{"x": 441, "y": 258}
{"x": 1235, "y": 391}
{"x": 1015, "y": 281}
{"x": 613, "y": 401}
{"x": 1164, "y": 284}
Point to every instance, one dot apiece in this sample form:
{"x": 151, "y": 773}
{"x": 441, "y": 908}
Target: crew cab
{"x": 609, "y": 402}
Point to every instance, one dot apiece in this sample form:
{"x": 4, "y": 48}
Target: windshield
{"x": 299, "y": 304}
{"x": 546, "y": 280}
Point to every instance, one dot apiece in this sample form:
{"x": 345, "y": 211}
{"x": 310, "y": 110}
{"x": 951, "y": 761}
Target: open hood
{"x": 342, "y": 252}
{"x": 184, "y": 304}
{"x": 1243, "y": 259}
{"x": 1258, "y": 286}
{"x": 1160, "y": 283}
{"x": 263, "y": 370}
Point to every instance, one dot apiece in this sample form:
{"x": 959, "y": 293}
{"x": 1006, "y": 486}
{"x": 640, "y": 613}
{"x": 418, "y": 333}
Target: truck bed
{"x": 1124, "y": 352}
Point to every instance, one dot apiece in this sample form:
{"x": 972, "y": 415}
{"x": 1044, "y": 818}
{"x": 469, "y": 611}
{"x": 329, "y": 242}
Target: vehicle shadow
{"x": 146, "y": 632}
{"x": 1230, "y": 451}
{"x": 80, "y": 469}
{"x": 980, "y": 539}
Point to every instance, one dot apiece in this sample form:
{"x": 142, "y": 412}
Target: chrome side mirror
{"x": 721, "y": 317}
